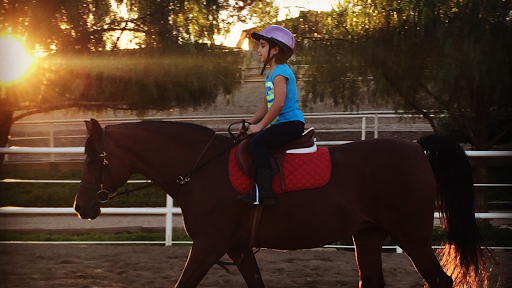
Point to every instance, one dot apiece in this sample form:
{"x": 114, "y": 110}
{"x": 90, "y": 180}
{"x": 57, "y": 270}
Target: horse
{"x": 379, "y": 188}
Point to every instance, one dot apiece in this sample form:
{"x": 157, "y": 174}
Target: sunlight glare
{"x": 245, "y": 45}
{"x": 15, "y": 60}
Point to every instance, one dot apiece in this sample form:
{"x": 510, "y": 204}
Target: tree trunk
{"x": 5, "y": 128}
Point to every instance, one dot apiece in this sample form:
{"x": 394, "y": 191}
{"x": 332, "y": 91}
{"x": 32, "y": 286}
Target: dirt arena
{"x": 47, "y": 265}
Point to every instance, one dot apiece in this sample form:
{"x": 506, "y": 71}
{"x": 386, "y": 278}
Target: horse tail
{"x": 464, "y": 255}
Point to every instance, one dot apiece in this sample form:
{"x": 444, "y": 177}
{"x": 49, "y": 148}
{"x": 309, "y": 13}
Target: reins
{"x": 237, "y": 139}
{"x": 126, "y": 191}
{"x": 103, "y": 195}
{"x": 183, "y": 180}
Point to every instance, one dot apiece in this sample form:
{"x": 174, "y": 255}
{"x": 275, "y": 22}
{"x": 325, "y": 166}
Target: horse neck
{"x": 164, "y": 151}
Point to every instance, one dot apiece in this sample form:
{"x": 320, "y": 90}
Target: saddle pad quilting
{"x": 301, "y": 171}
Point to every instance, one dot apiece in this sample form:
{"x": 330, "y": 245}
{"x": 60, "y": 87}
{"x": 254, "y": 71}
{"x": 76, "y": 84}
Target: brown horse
{"x": 378, "y": 188}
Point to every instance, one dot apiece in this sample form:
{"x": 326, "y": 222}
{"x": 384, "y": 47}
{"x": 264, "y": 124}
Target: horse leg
{"x": 425, "y": 261}
{"x": 248, "y": 267}
{"x": 200, "y": 260}
{"x": 368, "y": 243}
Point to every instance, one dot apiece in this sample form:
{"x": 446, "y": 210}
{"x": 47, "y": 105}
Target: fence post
{"x": 363, "y": 128}
{"x": 376, "y": 124}
{"x": 52, "y": 142}
{"x": 168, "y": 221}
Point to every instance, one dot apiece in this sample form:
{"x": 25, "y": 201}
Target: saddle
{"x": 303, "y": 144}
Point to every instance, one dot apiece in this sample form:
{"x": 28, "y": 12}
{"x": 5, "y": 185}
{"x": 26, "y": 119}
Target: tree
{"x": 429, "y": 57}
{"x": 176, "y": 63}
{"x": 264, "y": 12}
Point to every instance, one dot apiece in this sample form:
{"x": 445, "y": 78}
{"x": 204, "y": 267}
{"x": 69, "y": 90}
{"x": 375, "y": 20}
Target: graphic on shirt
{"x": 269, "y": 87}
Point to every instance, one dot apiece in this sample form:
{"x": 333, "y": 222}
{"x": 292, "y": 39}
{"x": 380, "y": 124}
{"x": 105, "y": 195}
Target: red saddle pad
{"x": 301, "y": 171}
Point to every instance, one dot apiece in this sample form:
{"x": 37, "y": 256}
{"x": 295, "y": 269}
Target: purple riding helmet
{"x": 278, "y": 35}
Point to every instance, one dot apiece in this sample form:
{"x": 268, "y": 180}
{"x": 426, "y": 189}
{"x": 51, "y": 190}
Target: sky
{"x": 294, "y": 6}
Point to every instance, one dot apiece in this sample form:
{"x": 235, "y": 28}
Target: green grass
{"x": 63, "y": 195}
{"x": 502, "y": 175}
{"x": 493, "y": 236}
{"x": 122, "y": 236}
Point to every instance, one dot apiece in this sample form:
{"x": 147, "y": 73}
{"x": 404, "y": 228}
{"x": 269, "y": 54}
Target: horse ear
{"x": 88, "y": 125}
{"x": 94, "y": 128}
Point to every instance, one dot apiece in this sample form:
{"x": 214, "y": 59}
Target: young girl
{"x": 280, "y": 109}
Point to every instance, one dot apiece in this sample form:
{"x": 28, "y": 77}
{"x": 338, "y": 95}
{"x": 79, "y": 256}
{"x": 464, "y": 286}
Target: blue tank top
{"x": 291, "y": 110}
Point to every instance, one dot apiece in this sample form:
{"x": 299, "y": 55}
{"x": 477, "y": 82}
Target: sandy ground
{"x": 48, "y": 265}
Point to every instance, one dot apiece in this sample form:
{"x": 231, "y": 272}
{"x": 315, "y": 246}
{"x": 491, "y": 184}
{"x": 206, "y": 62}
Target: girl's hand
{"x": 253, "y": 129}
{"x": 242, "y": 130}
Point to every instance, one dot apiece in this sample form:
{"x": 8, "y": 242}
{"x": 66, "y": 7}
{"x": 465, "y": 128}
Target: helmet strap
{"x": 269, "y": 59}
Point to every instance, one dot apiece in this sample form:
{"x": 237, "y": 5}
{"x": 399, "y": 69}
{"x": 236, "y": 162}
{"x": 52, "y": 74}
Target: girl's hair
{"x": 280, "y": 57}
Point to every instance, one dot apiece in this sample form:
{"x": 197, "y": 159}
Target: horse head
{"x": 100, "y": 179}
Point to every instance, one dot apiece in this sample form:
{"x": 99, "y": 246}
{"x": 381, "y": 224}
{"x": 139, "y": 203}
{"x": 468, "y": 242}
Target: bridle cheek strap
{"x": 102, "y": 195}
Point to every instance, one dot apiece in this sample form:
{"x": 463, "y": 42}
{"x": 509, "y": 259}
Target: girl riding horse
{"x": 280, "y": 109}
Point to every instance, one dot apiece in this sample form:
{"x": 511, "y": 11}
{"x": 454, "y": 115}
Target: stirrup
{"x": 257, "y": 202}
{"x": 253, "y": 196}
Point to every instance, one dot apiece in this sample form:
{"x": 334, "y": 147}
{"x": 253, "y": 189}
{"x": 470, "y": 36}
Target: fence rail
{"x": 67, "y": 150}
{"x": 50, "y": 126}
{"x": 169, "y": 210}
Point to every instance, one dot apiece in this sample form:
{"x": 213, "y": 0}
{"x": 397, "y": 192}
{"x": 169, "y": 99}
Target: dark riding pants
{"x": 274, "y": 135}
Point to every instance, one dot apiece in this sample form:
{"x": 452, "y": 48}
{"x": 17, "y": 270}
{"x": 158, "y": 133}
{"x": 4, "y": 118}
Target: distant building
{"x": 246, "y": 36}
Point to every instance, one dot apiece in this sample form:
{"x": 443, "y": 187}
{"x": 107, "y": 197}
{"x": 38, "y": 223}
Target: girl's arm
{"x": 275, "y": 109}
{"x": 258, "y": 115}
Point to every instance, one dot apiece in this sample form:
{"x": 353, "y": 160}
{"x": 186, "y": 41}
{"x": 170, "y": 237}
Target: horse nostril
{"x": 78, "y": 209}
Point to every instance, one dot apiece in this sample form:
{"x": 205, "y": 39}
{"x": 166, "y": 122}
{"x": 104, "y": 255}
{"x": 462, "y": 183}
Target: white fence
{"x": 169, "y": 210}
{"x": 369, "y": 122}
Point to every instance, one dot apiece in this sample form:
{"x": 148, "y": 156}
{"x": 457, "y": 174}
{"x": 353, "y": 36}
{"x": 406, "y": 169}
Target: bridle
{"x": 103, "y": 195}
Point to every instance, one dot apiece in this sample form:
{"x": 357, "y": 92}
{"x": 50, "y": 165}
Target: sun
{"x": 15, "y": 60}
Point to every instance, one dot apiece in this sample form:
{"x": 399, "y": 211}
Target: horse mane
{"x": 167, "y": 126}
{"x": 151, "y": 126}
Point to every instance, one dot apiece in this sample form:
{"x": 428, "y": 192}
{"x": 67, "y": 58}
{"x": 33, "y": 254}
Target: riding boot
{"x": 262, "y": 189}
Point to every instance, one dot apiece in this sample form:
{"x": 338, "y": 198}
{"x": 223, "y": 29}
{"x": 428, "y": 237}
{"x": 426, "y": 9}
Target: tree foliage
{"x": 174, "y": 63}
{"x": 446, "y": 57}
{"x": 264, "y": 12}
{"x": 82, "y": 25}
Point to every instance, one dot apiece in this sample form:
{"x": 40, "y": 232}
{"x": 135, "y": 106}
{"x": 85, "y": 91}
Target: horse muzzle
{"x": 87, "y": 204}
{"x": 90, "y": 213}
